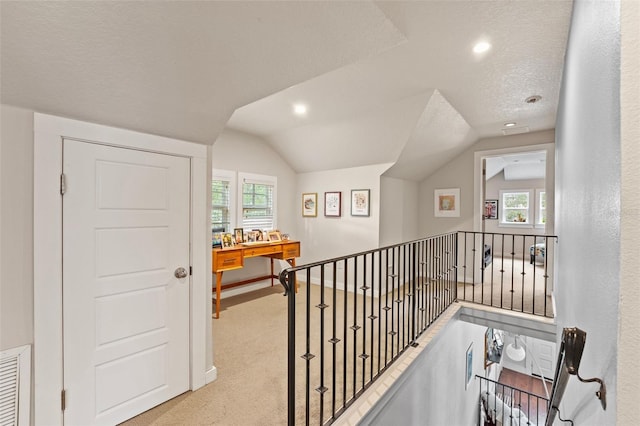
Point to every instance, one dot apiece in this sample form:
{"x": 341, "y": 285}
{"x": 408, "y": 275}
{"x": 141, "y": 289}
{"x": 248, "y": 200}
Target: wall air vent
{"x": 515, "y": 130}
{"x": 15, "y": 383}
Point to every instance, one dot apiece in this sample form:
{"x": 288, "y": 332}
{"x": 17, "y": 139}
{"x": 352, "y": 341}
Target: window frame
{"x": 539, "y": 209}
{"x": 258, "y": 179}
{"x": 530, "y": 211}
{"x": 229, "y": 176}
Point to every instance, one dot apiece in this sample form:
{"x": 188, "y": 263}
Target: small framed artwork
{"x": 446, "y": 202}
{"x": 310, "y": 204}
{"x": 360, "y": 202}
{"x": 332, "y": 204}
{"x": 227, "y": 241}
{"x": 468, "y": 366}
{"x": 274, "y": 236}
{"x": 493, "y": 345}
{"x": 238, "y": 233}
{"x": 491, "y": 209}
{"x": 216, "y": 240}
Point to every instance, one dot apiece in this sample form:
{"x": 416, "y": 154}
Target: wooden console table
{"x": 233, "y": 258}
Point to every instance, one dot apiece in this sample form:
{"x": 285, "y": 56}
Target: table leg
{"x": 218, "y": 285}
{"x": 271, "y": 271}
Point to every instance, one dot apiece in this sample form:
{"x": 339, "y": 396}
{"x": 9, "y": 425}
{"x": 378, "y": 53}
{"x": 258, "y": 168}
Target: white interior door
{"x": 125, "y": 314}
{"x": 546, "y": 356}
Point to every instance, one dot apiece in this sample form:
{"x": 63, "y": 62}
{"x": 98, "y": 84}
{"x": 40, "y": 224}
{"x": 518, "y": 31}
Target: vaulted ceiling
{"x": 384, "y": 82}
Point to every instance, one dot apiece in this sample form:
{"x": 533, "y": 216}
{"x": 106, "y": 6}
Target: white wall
{"x": 629, "y": 340}
{"x": 398, "y": 211}
{"x": 588, "y": 204}
{"x": 433, "y": 388}
{"x": 459, "y": 173}
{"x": 328, "y": 237}
{"x": 16, "y": 227}
{"x": 242, "y": 152}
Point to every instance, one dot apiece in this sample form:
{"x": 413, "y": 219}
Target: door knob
{"x": 180, "y": 272}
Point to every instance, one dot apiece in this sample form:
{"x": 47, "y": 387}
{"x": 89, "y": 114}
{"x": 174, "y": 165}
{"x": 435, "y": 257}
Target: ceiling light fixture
{"x": 533, "y": 99}
{"x": 481, "y": 47}
{"x": 510, "y": 124}
{"x": 516, "y": 353}
{"x": 300, "y": 109}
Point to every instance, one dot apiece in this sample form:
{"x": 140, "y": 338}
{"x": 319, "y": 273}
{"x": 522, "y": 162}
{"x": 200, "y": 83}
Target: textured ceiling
{"x": 385, "y": 82}
{"x": 177, "y": 69}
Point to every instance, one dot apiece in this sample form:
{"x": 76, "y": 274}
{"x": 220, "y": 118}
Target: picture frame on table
{"x": 310, "y": 204}
{"x": 239, "y": 235}
{"x": 360, "y": 200}
{"x": 333, "y": 204}
{"x": 446, "y": 202}
{"x": 274, "y": 236}
{"x": 216, "y": 240}
{"x": 227, "y": 241}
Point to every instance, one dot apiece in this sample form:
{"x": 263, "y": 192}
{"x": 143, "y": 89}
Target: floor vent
{"x": 15, "y": 383}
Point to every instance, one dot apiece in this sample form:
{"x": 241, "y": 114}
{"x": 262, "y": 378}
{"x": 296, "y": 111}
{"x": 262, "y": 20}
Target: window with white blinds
{"x": 258, "y": 198}
{"x": 222, "y": 185}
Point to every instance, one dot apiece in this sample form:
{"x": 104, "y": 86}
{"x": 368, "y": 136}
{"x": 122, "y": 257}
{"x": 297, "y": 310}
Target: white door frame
{"x": 47, "y": 271}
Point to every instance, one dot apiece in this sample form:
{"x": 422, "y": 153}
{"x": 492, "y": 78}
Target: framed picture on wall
{"x": 332, "y": 204}
{"x": 360, "y": 202}
{"x": 491, "y": 209}
{"x": 468, "y": 366}
{"x": 310, "y": 204}
{"x": 446, "y": 202}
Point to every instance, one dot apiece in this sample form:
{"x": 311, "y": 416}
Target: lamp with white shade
{"x": 515, "y": 352}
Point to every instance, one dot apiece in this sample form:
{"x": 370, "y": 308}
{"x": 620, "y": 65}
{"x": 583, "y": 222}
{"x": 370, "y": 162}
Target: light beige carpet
{"x": 250, "y": 354}
{"x": 250, "y": 348}
{"x": 506, "y": 286}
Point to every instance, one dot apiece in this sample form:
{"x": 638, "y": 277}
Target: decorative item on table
{"x": 239, "y": 235}
{"x": 216, "y": 240}
{"x": 259, "y": 235}
{"x": 285, "y": 237}
{"x": 227, "y": 241}
{"x": 274, "y": 236}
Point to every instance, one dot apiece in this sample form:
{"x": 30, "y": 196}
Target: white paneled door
{"x": 125, "y": 306}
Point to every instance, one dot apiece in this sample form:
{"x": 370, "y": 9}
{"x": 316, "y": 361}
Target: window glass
{"x": 515, "y": 206}
{"x": 258, "y": 202}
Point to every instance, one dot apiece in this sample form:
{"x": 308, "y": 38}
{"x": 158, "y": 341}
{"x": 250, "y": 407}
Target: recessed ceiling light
{"x": 481, "y": 47}
{"x": 300, "y": 109}
{"x": 510, "y": 124}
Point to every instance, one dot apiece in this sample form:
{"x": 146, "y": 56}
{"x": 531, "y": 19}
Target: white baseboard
{"x": 211, "y": 375}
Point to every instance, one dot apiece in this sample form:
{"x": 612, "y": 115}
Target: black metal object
{"x": 364, "y": 310}
{"x": 507, "y": 405}
{"x": 361, "y": 313}
{"x": 515, "y": 277}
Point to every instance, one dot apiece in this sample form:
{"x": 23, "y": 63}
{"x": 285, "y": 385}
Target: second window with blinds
{"x": 243, "y": 200}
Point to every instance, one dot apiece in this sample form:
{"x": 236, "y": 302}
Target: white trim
{"x": 47, "y": 271}
{"x": 232, "y": 178}
{"x": 530, "y": 215}
{"x": 477, "y": 173}
{"x": 211, "y": 375}
{"x": 256, "y": 178}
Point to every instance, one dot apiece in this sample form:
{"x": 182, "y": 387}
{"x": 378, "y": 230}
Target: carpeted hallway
{"x": 250, "y": 354}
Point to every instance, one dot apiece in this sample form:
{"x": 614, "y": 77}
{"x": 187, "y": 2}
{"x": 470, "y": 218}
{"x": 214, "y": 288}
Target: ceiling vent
{"x": 515, "y": 130}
